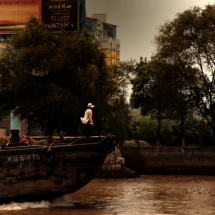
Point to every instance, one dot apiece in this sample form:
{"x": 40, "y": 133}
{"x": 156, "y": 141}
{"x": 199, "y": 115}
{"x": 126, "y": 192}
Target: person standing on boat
{"x": 87, "y": 120}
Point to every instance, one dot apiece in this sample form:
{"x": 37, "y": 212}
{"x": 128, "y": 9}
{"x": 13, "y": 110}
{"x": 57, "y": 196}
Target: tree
{"x": 149, "y": 92}
{"x": 115, "y": 116}
{"x": 48, "y": 79}
{"x": 179, "y": 98}
{"x": 188, "y": 42}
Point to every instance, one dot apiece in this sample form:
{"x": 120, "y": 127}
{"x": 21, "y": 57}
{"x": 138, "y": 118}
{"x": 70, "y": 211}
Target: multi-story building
{"x": 105, "y": 33}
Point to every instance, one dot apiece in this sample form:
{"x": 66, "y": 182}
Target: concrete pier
{"x": 114, "y": 167}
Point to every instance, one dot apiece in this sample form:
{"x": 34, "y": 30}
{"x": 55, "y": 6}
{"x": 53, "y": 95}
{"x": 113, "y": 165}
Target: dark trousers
{"x": 87, "y": 129}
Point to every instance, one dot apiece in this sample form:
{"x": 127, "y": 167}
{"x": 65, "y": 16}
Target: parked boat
{"x": 35, "y": 172}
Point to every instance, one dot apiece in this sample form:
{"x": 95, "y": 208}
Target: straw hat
{"x": 90, "y": 105}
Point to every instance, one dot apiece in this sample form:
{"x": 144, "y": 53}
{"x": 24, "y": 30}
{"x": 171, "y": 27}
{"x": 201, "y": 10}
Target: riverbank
{"x": 170, "y": 160}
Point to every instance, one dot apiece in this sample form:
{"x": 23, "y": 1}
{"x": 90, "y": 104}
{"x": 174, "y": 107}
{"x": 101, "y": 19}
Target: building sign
{"x": 15, "y": 13}
{"x": 59, "y": 14}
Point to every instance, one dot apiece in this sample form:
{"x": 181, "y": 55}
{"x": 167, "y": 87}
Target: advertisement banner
{"x": 60, "y": 14}
{"x": 15, "y": 13}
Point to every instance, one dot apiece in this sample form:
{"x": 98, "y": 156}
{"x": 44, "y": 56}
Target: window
{"x": 111, "y": 30}
{"x": 90, "y": 24}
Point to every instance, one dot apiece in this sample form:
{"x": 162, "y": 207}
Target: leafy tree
{"x": 160, "y": 91}
{"x": 188, "y": 42}
{"x": 117, "y": 109}
{"x": 179, "y": 98}
{"x": 48, "y": 79}
{"x": 149, "y": 92}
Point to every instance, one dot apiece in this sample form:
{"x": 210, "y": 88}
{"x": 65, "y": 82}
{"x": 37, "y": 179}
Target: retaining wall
{"x": 170, "y": 160}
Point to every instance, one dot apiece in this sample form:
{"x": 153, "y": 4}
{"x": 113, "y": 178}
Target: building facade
{"x": 106, "y": 35}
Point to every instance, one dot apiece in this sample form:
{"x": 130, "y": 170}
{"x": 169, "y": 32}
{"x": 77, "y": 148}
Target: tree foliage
{"x": 149, "y": 92}
{"x": 48, "y": 79}
{"x": 179, "y": 79}
{"x": 188, "y": 43}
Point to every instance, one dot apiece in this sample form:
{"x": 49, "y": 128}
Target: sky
{"x": 138, "y": 21}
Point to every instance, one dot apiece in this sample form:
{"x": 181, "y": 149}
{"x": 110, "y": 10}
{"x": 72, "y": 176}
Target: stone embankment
{"x": 114, "y": 167}
{"x": 170, "y": 160}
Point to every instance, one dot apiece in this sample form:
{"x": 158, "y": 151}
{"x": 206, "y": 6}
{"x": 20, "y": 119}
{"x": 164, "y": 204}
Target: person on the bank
{"x": 87, "y": 120}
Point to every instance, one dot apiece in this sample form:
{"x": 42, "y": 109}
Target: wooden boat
{"x": 35, "y": 172}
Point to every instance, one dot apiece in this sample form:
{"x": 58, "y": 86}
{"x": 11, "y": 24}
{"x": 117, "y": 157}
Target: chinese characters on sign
{"x": 58, "y": 15}
{"x": 22, "y": 158}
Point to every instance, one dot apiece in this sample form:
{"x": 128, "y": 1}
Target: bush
{"x": 143, "y": 128}
{"x": 132, "y": 143}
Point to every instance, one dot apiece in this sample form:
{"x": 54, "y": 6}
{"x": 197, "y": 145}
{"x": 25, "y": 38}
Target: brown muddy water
{"x": 147, "y": 194}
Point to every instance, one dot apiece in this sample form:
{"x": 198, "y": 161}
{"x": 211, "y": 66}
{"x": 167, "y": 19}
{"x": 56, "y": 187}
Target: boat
{"x": 36, "y": 172}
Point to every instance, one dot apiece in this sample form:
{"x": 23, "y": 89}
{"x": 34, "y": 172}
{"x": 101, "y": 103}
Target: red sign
{"x": 15, "y": 13}
{"x": 59, "y": 14}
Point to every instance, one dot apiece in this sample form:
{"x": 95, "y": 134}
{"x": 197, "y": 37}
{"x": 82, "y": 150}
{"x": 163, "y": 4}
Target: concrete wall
{"x": 170, "y": 160}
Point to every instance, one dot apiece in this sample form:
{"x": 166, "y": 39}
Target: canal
{"x": 147, "y": 194}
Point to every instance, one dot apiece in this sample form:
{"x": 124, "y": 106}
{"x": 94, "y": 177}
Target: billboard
{"x": 56, "y": 14}
{"x": 60, "y": 14}
{"x": 15, "y": 13}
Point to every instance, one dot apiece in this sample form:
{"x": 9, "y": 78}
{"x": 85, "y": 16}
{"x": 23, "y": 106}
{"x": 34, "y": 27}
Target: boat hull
{"x": 35, "y": 173}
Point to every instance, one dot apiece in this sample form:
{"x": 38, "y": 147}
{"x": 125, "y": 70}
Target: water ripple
{"x": 169, "y": 191}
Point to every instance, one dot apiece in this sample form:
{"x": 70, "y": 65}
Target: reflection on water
{"x": 148, "y": 194}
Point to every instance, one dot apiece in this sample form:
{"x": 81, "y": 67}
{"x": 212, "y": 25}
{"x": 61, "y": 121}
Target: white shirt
{"x": 88, "y": 115}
